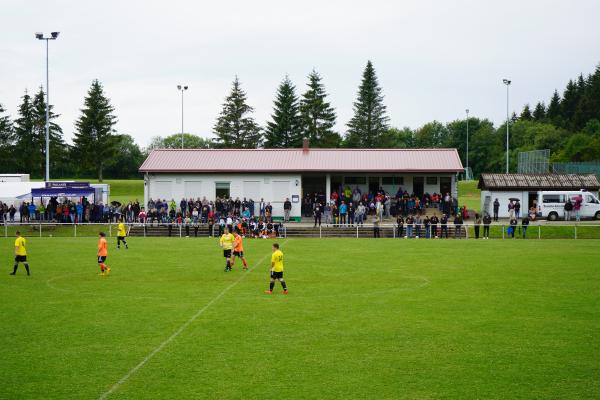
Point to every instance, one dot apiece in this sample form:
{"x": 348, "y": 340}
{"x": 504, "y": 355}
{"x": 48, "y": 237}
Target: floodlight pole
{"x": 53, "y": 36}
{"x": 182, "y": 89}
{"x": 467, "y": 171}
{"x": 507, "y": 82}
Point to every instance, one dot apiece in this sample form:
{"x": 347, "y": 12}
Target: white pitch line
{"x": 124, "y": 379}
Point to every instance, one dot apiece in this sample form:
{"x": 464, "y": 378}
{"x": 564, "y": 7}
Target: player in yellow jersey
{"x": 121, "y": 234}
{"x": 20, "y": 253}
{"x": 226, "y": 242}
{"x": 276, "y": 270}
{"x": 238, "y": 250}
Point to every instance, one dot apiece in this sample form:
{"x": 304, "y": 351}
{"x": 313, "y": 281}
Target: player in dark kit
{"x": 20, "y": 254}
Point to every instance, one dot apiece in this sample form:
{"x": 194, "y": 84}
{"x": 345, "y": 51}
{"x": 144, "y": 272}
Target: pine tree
{"x": 553, "y": 112}
{"x": 318, "y": 116}
{"x": 6, "y": 141}
{"x": 95, "y": 144}
{"x": 25, "y": 158}
{"x": 569, "y": 103}
{"x": 56, "y": 143}
{"x": 539, "y": 113}
{"x": 235, "y": 128}
{"x": 526, "y": 113}
{"x": 370, "y": 122}
{"x": 30, "y": 136}
{"x": 285, "y": 129}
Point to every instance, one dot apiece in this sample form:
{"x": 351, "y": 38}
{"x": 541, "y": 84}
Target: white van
{"x": 551, "y": 205}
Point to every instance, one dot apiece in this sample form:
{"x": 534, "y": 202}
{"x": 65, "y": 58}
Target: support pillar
{"x": 327, "y": 188}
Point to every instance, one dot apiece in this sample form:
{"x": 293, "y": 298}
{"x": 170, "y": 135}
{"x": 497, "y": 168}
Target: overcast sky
{"x": 433, "y": 58}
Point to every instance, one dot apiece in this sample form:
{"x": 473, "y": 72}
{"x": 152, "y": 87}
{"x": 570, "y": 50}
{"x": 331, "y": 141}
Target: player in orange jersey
{"x": 238, "y": 250}
{"x": 102, "y": 254}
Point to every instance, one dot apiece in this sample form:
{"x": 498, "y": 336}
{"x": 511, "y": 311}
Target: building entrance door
{"x": 418, "y": 185}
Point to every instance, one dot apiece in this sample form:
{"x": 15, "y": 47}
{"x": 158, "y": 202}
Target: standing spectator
{"x": 517, "y": 209}
{"x": 577, "y": 207}
{"x": 376, "y": 231}
{"x": 328, "y": 214}
{"x": 568, "y": 209}
{"x": 444, "y": 226}
{"x": 511, "y": 209}
{"x": 477, "y": 225}
{"x": 513, "y": 227}
{"x": 262, "y": 208}
{"x": 317, "y": 214}
{"x": 487, "y": 220}
{"x": 399, "y": 225}
{"x": 351, "y": 213}
{"x": 525, "y": 224}
{"x": 32, "y": 210}
{"x": 426, "y": 223}
{"x": 410, "y": 221}
{"x": 458, "y": 222}
{"x": 496, "y": 209}
{"x": 434, "y": 222}
{"x": 418, "y": 223}
{"x": 287, "y": 208}
{"x": 361, "y": 211}
{"x": 343, "y": 213}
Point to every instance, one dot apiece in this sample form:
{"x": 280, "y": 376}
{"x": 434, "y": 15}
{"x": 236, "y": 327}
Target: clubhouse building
{"x": 277, "y": 174}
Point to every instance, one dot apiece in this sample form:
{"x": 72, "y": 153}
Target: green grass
{"x": 123, "y": 190}
{"x": 469, "y": 195}
{"x": 364, "y": 319}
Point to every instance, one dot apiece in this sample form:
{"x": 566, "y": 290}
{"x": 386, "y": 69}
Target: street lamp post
{"x": 182, "y": 89}
{"x": 467, "y": 170}
{"x": 507, "y": 82}
{"x": 53, "y": 36}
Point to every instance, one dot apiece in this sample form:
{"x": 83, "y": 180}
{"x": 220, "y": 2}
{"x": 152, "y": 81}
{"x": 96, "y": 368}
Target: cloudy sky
{"x": 433, "y": 58}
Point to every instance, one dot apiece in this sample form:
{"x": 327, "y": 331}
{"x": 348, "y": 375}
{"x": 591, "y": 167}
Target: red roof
{"x": 298, "y": 160}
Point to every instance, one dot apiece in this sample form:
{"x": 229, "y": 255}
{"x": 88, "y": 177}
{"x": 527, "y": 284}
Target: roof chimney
{"x": 305, "y": 145}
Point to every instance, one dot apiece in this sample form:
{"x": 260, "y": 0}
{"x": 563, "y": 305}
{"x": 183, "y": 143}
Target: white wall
{"x": 273, "y": 188}
{"x": 503, "y": 197}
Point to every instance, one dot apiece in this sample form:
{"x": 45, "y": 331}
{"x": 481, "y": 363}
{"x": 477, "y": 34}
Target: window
{"x": 392, "y": 180}
{"x": 553, "y": 198}
{"x": 590, "y": 199}
{"x": 355, "y": 180}
{"x": 223, "y": 189}
{"x": 431, "y": 180}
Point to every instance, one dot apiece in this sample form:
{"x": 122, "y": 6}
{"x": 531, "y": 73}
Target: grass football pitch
{"x": 365, "y": 319}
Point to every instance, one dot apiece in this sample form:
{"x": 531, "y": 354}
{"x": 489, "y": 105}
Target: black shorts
{"x": 20, "y": 258}
{"x": 120, "y": 237}
{"x": 227, "y": 253}
{"x": 101, "y": 259}
{"x": 277, "y": 275}
{"x": 238, "y": 254}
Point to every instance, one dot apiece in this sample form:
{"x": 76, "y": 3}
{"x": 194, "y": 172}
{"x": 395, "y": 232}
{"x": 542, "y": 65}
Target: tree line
{"x": 569, "y": 126}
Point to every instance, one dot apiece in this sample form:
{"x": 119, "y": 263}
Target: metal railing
{"x": 466, "y": 231}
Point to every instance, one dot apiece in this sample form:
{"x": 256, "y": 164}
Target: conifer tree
{"x": 95, "y": 143}
{"x": 539, "y": 113}
{"x": 235, "y": 128}
{"x": 318, "y": 116}
{"x": 370, "y": 123}
{"x": 526, "y": 113}
{"x": 553, "y": 112}
{"x": 6, "y": 141}
{"x": 285, "y": 129}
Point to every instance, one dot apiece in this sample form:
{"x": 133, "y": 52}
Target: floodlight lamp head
{"x": 39, "y": 35}
{"x": 54, "y": 34}
{"x": 467, "y": 111}
{"x": 178, "y": 87}
{"x": 506, "y": 81}
{"x": 185, "y": 88}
